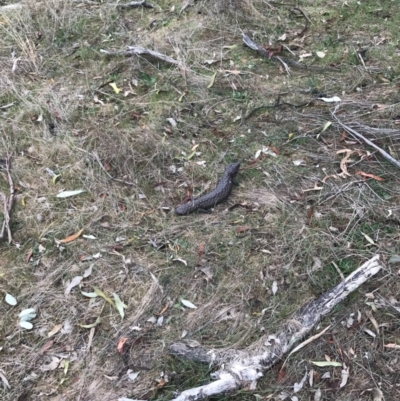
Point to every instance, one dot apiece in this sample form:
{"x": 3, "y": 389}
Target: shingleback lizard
{"x": 217, "y": 195}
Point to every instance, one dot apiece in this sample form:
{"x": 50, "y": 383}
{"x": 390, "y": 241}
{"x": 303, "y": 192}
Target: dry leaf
{"x": 274, "y": 287}
{"x": 121, "y": 343}
{"x": 323, "y": 364}
{"x": 369, "y": 175}
{"x": 104, "y": 296}
{"x": 368, "y": 238}
{"x": 345, "y": 376}
{"x": 132, "y": 375}
{"x": 29, "y": 255}
{"x": 180, "y": 260}
{"x": 88, "y": 271}
{"x": 55, "y": 330}
{"x": 52, "y": 365}
{"x": 164, "y": 309}
{"x": 200, "y": 250}
{"x": 71, "y": 238}
{"x": 46, "y": 347}
{"x": 4, "y": 380}
{"x": 242, "y": 229}
{"x": 330, "y": 99}
{"x": 392, "y": 346}
{"x": 67, "y": 327}
{"x": 299, "y": 162}
{"x": 10, "y": 300}
{"x": 377, "y": 394}
{"x": 90, "y": 326}
{"x": 345, "y": 159}
{"x": 119, "y": 305}
{"x": 26, "y": 325}
{"x": 115, "y": 87}
{"x": 67, "y": 194}
{"x": 281, "y": 375}
{"x": 210, "y": 85}
{"x": 188, "y": 304}
{"x": 75, "y": 281}
{"x": 27, "y": 314}
{"x": 161, "y": 383}
{"x": 298, "y": 386}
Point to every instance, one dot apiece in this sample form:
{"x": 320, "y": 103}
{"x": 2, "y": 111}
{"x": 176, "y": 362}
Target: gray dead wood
{"x": 8, "y": 202}
{"x": 356, "y": 134}
{"x": 140, "y": 51}
{"x": 245, "y": 367}
{"x": 136, "y": 4}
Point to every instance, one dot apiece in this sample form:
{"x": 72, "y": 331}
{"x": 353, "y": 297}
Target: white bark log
{"x": 241, "y": 368}
{"x": 141, "y": 51}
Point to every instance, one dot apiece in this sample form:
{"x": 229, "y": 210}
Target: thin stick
{"x": 367, "y": 141}
{"x": 8, "y": 203}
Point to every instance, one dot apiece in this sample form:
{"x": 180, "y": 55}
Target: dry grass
{"x": 66, "y": 117}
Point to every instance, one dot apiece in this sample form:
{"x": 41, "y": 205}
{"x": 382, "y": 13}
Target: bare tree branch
{"x": 136, "y": 4}
{"x": 140, "y": 51}
{"x": 245, "y": 367}
{"x": 367, "y": 141}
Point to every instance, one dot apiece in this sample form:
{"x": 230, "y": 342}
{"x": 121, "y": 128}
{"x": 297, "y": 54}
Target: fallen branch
{"x": 284, "y": 60}
{"x": 8, "y": 202}
{"x": 245, "y": 367}
{"x": 356, "y": 134}
{"x": 136, "y": 4}
{"x": 140, "y": 51}
{"x": 6, "y": 106}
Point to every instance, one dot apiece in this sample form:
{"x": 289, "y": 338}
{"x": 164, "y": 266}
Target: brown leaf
{"x": 343, "y": 165}
{"x": 281, "y": 375}
{"x": 242, "y": 229}
{"x": 274, "y": 149}
{"x": 310, "y": 214}
{"x": 161, "y": 383}
{"x": 72, "y": 237}
{"x": 164, "y": 309}
{"x": 200, "y": 250}
{"x": 343, "y": 137}
{"x": 121, "y": 343}
{"x": 369, "y": 175}
{"x": 46, "y": 347}
{"x": 29, "y": 255}
{"x": 55, "y": 330}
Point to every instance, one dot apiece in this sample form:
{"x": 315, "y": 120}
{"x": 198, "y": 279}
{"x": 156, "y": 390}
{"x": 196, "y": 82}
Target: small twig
{"x": 6, "y": 106}
{"x": 87, "y": 2}
{"x": 367, "y": 141}
{"x": 136, "y": 4}
{"x": 8, "y": 203}
{"x": 285, "y": 66}
{"x": 305, "y": 17}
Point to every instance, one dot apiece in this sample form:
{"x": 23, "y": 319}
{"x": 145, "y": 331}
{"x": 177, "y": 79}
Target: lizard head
{"x": 232, "y": 169}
